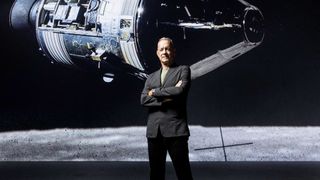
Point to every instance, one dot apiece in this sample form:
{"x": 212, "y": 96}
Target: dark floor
{"x": 139, "y": 170}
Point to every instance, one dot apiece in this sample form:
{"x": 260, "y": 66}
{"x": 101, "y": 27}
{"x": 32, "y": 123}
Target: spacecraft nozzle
{"x": 23, "y": 15}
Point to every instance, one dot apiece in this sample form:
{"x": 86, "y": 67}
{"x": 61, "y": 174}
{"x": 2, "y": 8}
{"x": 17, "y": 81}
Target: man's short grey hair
{"x": 167, "y": 39}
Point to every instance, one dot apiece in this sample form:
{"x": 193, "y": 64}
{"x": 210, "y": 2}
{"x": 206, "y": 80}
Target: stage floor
{"x": 139, "y": 170}
{"x": 129, "y": 144}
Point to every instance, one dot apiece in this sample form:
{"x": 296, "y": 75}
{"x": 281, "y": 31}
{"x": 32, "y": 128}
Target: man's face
{"x": 165, "y": 52}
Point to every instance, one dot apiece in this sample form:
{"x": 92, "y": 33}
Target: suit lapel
{"x": 156, "y": 79}
{"x": 168, "y": 76}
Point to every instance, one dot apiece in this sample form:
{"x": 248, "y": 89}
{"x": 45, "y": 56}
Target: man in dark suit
{"x": 165, "y": 94}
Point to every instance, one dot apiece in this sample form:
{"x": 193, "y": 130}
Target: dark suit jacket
{"x": 167, "y": 106}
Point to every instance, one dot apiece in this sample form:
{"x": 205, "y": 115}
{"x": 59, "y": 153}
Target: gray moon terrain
{"x": 129, "y": 144}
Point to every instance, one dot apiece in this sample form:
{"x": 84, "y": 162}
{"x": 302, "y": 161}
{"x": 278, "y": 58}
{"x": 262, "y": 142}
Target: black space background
{"x": 275, "y": 84}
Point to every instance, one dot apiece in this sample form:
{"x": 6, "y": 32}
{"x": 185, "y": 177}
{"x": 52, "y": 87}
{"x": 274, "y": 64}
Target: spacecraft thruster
{"x": 112, "y": 36}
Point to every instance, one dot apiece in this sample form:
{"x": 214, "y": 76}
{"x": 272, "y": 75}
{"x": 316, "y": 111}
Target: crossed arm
{"x": 160, "y": 95}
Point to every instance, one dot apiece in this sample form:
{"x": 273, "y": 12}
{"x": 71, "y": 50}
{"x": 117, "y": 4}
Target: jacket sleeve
{"x": 148, "y": 100}
{"x": 175, "y": 91}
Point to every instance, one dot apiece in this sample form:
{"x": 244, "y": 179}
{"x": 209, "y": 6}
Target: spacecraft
{"x": 120, "y": 36}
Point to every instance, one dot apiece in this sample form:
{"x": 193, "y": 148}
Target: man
{"x": 165, "y": 94}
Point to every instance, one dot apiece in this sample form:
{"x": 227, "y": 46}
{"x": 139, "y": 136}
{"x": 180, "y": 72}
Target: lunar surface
{"x": 129, "y": 144}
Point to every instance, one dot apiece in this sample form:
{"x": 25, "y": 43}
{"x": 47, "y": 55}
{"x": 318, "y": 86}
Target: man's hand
{"x": 150, "y": 93}
{"x": 178, "y": 83}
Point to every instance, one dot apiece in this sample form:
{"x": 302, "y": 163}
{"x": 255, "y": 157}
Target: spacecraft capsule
{"x": 113, "y": 36}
